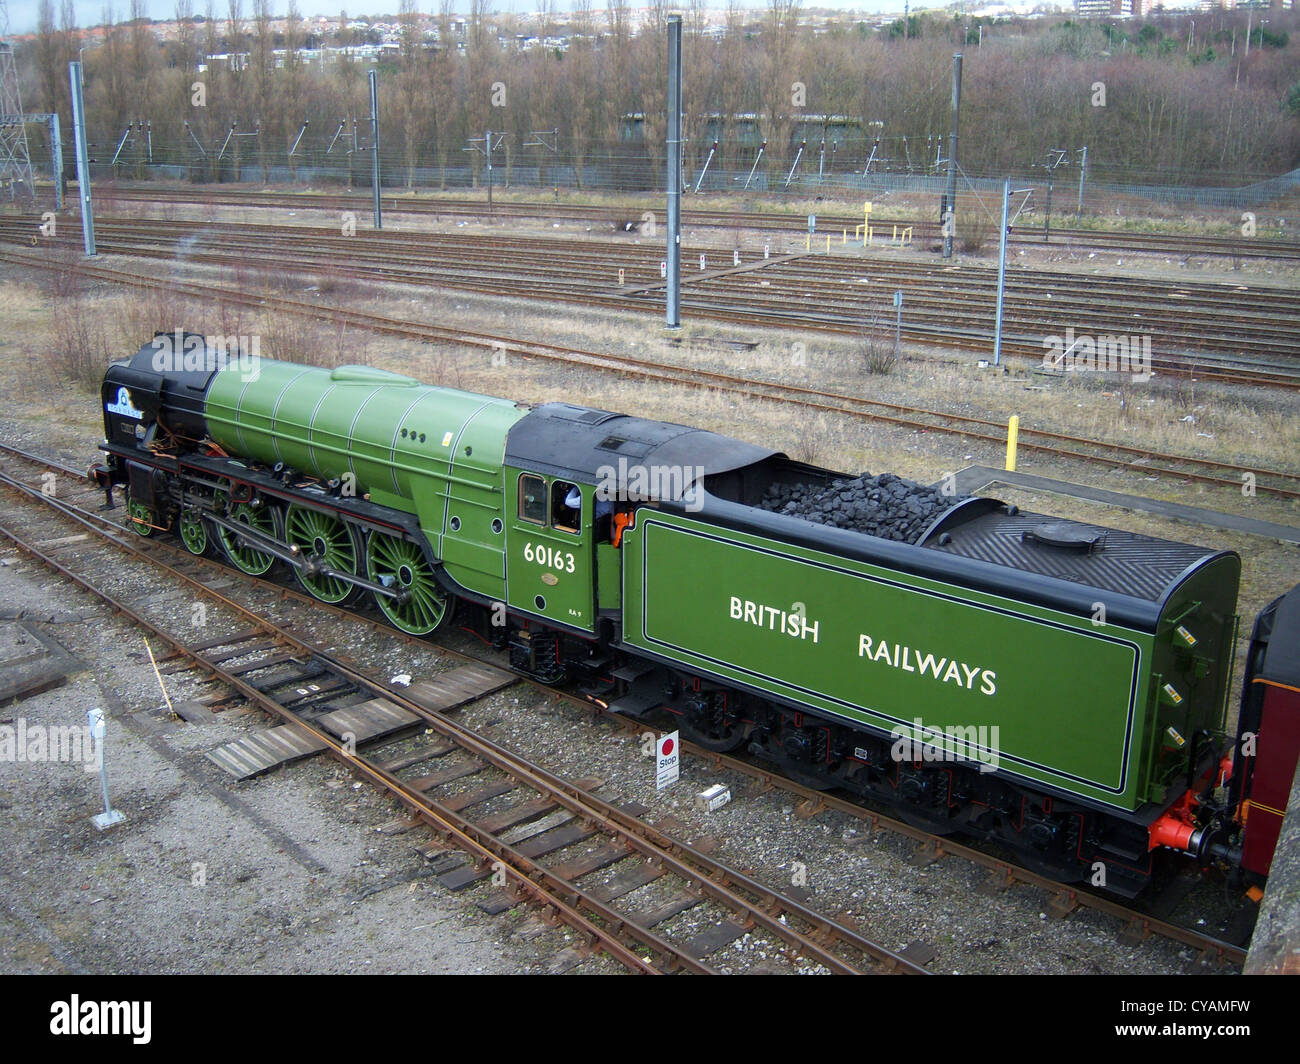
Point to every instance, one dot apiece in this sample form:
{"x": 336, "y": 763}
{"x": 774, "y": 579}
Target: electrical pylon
{"x": 16, "y": 174}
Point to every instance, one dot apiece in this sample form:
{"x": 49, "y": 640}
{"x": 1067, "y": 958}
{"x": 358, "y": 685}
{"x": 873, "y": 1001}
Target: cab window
{"x": 532, "y": 499}
{"x": 566, "y": 506}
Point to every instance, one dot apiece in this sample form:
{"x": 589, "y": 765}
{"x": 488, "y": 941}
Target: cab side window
{"x": 566, "y": 506}
{"x": 532, "y": 499}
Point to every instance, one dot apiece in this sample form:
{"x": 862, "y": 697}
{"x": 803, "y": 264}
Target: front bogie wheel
{"x": 193, "y": 531}
{"x": 141, "y": 517}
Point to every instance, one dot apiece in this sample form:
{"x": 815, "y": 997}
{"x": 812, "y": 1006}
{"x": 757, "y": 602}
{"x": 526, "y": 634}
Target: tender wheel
{"x": 1061, "y": 871}
{"x": 918, "y": 819}
{"x": 401, "y": 565}
{"x": 263, "y": 519}
{"x": 807, "y": 779}
{"x": 193, "y": 532}
{"x": 720, "y": 740}
{"x": 328, "y": 541}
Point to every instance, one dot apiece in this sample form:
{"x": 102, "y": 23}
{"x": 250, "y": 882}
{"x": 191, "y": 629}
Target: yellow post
{"x": 828, "y": 243}
{"x": 1013, "y": 431}
{"x": 807, "y": 244}
{"x": 844, "y": 239}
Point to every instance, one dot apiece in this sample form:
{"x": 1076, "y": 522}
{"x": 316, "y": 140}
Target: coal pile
{"x": 886, "y": 505}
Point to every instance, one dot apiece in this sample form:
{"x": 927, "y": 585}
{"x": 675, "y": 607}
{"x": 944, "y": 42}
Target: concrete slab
{"x": 370, "y": 720}
{"x": 456, "y": 687}
{"x": 193, "y": 712}
{"x": 31, "y": 661}
{"x": 264, "y": 750}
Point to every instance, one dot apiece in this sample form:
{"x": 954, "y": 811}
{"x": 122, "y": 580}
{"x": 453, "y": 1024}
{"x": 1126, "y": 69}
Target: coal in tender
{"x": 886, "y": 506}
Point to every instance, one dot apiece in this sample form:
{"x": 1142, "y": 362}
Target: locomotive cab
{"x": 550, "y": 548}
{"x": 563, "y": 562}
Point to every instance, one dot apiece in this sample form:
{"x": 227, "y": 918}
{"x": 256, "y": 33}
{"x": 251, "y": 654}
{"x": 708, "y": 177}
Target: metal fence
{"x": 640, "y": 176}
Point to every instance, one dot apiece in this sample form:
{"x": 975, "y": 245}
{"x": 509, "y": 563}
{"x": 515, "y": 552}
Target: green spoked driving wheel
{"x": 141, "y": 518}
{"x": 194, "y": 533}
{"x": 401, "y": 565}
{"x": 328, "y": 541}
{"x": 263, "y": 519}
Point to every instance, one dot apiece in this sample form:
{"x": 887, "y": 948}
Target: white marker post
{"x": 668, "y": 761}
{"x": 110, "y": 816}
{"x": 898, "y": 324}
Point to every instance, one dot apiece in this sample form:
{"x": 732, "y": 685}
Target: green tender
{"x": 1042, "y": 694}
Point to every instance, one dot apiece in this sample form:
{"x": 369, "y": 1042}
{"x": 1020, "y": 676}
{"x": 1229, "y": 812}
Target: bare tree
{"x": 262, "y": 66}
{"x": 546, "y": 18}
{"x": 763, "y": 75}
{"x": 47, "y": 55}
{"x": 734, "y": 95}
{"x": 442, "y": 91}
{"x": 294, "y": 108}
{"x": 412, "y": 87}
{"x": 780, "y": 67}
{"x": 481, "y": 51}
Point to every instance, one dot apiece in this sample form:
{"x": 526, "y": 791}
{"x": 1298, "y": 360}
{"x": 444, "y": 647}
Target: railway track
{"x": 1270, "y": 481}
{"x": 1236, "y": 247}
{"x": 1217, "y": 332}
{"x": 539, "y": 842}
{"x": 231, "y": 660}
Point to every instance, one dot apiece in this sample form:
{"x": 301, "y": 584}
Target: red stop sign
{"x": 667, "y": 747}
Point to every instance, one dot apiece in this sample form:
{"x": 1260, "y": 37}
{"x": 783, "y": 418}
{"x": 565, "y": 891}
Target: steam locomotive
{"x": 1056, "y": 687}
